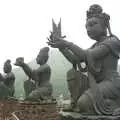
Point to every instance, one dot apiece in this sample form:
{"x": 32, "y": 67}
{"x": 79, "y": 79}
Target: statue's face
{"x": 7, "y": 68}
{"x": 41, "y": 59}
{"x": 95, "y": 28}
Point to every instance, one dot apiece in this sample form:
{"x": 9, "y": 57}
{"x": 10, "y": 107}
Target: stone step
{"x": 78, "y": 116}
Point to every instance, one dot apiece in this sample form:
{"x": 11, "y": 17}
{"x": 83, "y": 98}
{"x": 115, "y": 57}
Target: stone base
{"x": 22, "y": 110}
{"x": 78, "y": 116}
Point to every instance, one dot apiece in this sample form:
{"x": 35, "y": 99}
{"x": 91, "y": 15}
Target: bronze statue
{"x": 7, "y": 81}
{"x": 41, "y": 76}
{"x": 102, "y": 95}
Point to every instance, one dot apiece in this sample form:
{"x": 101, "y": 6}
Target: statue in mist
{"x": 100, "y": 89}
{"x": 42, "y": 88}
{"x": 7, "y": 80}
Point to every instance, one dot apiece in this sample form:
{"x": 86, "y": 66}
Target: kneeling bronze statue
{"x": 100, "y": 93}
{"x": 42, "y": 88}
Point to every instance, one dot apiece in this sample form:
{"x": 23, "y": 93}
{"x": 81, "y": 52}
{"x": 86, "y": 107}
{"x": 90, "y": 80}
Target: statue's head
{"x": 7, "y": 66}
{"x": 97, "y": 22}
{"x": 43, "y": 56}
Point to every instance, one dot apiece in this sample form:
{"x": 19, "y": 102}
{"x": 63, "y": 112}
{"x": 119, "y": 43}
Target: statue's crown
{"x": 94, "y": 11}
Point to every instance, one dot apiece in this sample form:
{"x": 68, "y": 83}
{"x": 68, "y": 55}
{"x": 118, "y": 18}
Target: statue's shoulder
{"x": 113, "y": 40}
{"x": 113, "y": 43}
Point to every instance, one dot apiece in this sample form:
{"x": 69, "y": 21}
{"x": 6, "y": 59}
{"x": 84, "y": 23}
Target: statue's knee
{"x": 85, "y": 104}
{"x": 82, "y": 102}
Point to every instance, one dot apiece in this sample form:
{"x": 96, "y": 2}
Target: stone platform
{"x": 21, "y": 110}
{"x": 78, "y": 116}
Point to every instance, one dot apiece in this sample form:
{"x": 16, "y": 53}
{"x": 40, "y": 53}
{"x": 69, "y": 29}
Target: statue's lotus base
{"x": 78, "y": 116}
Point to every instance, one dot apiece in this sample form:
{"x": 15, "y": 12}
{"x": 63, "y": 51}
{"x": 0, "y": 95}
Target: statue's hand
{"x": 56, "y": 42}
{"x": 19, "y": 61}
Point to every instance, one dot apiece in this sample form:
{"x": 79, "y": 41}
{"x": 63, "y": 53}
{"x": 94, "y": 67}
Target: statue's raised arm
{"x": 28, "y": 71}
{"x": 72, "y": 52}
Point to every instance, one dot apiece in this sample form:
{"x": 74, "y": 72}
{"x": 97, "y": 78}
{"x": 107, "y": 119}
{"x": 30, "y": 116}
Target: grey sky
{"x": 25, "y": 24}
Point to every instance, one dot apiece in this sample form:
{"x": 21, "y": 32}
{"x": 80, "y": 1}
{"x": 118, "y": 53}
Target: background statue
{"x": 103, "y": 93}
{"x": 7, "y": 81}
{"x": 41, "y": 76}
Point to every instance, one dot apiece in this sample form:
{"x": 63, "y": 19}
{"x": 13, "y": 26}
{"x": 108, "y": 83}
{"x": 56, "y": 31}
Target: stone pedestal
{"x": 28, "y": 110}
{"x": 78, "y": 116}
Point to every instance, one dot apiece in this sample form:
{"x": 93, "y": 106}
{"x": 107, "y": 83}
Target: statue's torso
{"x": 107, "y": 64}
{"x": 9, "y": 79}
{"x": 108, "y": 79}
{"x": 43, "y": 78}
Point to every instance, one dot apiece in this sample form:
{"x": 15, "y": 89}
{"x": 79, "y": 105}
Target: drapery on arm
{"x": 96, "y": 52}
{"x": 69, "y": 55}
{"x": 79, "y": 52}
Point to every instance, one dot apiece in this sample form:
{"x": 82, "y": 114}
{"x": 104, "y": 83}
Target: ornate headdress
{"x": 97, "y": 11}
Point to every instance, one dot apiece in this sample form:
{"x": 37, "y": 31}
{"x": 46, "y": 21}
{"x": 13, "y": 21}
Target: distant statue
{"x": 41, "y": 76}
{"x": 103, "y": 93}
{"x": 7, "y": 88}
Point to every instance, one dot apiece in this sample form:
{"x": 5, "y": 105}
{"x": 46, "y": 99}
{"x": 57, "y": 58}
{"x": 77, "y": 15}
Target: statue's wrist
{"x": 65, "y": 45}
{"x": 22, "y": 64}
{"x": 68, "y": 44}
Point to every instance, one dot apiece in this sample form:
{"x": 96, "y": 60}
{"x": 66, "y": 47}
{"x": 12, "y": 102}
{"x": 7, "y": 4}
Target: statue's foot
{"x": 68, "y": 108}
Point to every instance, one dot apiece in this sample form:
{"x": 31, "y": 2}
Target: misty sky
{"x": 25, "y": 24}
